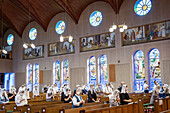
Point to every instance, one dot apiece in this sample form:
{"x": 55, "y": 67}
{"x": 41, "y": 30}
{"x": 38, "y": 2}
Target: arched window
{"x": 36, "y": 75}
{"x": 65, "y": 72}
{"x": 154, "y": 67}
{"x": 139, "y": 71}
{"x": 102, "y": 70}
{"x": 91, "y": 70}
{"x": 29, "y": 76}
{"x": 56, "y": 73}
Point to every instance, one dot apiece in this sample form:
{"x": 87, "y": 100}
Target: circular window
{"x": 60, "y": 27}
{"x": 33, "y": 34}
{"x": 96, "y": 18}
{"x": 10, "y": 39}
{"x": 143, "y": 7}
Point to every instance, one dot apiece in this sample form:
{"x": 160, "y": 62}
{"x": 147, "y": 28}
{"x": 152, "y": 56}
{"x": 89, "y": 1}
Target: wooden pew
{"x": 8, "y": 106}
{"x": 167, "y": 111}
{"x": 3, "y": 111}
{"x": 160, "y": 107}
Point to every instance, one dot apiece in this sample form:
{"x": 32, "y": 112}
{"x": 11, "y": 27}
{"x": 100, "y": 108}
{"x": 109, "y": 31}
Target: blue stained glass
{"x": 154, "y": 67}
{"x": 56, "y": 73}
{"x": 66, "y": 72}
{"x": 10, "y": 39}
{"x": 36, "y": 75}
{"x": 92, "y": 68}
{"x": 29, "y": 77}
{"x": 143, "y": 7}
{"x": 96, "y": 18}
{"x": 33, "y": 34}
{"x": 60, "y": 27}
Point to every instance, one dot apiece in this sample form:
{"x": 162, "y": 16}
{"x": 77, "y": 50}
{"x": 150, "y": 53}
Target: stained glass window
{"x": 96, "y": 18}
{"x": 139, "y": 71}
{"x": 33, "y": 34}
{"x": 65, "y": 72}
{"x": 10, "y": 39}
{"x": 56, "y": 73}
{"x": 60, "y": 27}
{"x": 154, "y": 67}
{"x": 103, "y": 75}
{"x": 29, "y": 77}
{"x": 36, "y": 75}
{"x": 91, "y": 70}
{"x": 142, "y": 7}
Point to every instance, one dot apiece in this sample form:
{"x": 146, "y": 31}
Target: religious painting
{"x": 146, "y": 33}
{"x": 99, "y": 41}
{"x": 60, "y": 48}
{"x": 31, "y": 53}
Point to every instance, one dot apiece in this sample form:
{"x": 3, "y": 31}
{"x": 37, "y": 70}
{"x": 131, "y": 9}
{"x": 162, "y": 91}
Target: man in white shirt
{"x": 35, "y": 92}
{"x": 55, "y": 89}
{"x": 107, "y": 90}
{"x": 20, "y": 98}
{"x": 146, "y": 87}
{"x": 155, "y": 84}
{"x": 77, "y": 100}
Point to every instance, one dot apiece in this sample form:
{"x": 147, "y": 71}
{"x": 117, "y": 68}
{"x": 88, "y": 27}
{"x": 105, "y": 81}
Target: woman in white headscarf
{"x": 49, "y": 94}
{"x": 3, "y": 96}
{"x": 20, "y": 98}
{"x": 67, "y": 96}
{"x": 124, "y": 96}
{"x": 12, "y": 90}
{"x": 27, "y": 93}
{"x": 155, "y": 94}
{"x": 114, "y": 99}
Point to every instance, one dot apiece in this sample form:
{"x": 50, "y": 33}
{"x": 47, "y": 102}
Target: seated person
{"x": 120, "y": 88}
{"x": 45, "y": 89}
{"x": 107, "y": 90}
{"x": 67, "y": 96}
{"x": 99, "y": 89}
{"x": 155, "y": 94}
{"x": 20, "y": 98}
{"x": 55, "y": 89}
{"x": 11, "y": 96}
{"x": 27, "y": 93}
{"x": 166, "y": 90}
{"x": 84, "y": 91}
{"x": 92, "y": 97}
{"x": 49, "y": 94}
{"x": 77, "y": 100}
{"x": 77, "y": 86}
{"x": 124, "y": 97}
{"x": 35, "y": 92}
{"x": 3, "y": 96}
{"x": 114, "y": 99}
{"x": 13, "y": 89}
{"x": 146, "y": 87}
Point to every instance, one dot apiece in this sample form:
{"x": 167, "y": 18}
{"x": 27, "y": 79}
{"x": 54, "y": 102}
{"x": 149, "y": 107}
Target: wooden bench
{"x": 167, "y": 111}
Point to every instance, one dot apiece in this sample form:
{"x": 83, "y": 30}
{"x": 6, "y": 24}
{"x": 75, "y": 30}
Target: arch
{"x": 56, "y": 73}
{"x": 65, "y": 72}
{"x": 29, "y": 73}
{"x": 139, "y": 70}
{"x": 36, "y": 73}
{"x": 154, "y": 67}
{"x": 91, "y": 70}
{"x": 102, "y": 70}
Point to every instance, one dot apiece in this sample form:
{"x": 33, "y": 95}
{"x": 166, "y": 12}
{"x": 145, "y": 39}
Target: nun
{"x": 27, "y": 93}
{"x": 3, "y": 96}
{"x": 12, "y": 95}
{"x": 77, "y": 100}
{"x": 49, "y": 94}
{"x": 155, "y": 94}
{"x": 67, "y": 96}
{"x": 13, "y": 89}
{"x": 21, "y": 88}
{"x": 124, "y": 96}
{"x": 92, "y": 96}
{"x": 35, "y": 92}
{"x": 114, "y": 98}
{"x": 20, "y": 98}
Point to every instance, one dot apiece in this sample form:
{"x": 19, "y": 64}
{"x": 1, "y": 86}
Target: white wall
{"x": 160, "y": 11}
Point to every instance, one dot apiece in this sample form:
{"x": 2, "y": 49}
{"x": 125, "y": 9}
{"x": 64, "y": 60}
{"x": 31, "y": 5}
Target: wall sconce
{"x": 29, "y": 45}
{"x": 70, "y": 38}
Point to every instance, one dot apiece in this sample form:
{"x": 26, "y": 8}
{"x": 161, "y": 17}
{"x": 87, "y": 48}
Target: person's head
{"x": 67, "y": 91}
{"x": 99, "y": 85}
{"x": 146, "y": 82}
{"x": 124, "y": 89}
{"x": 155, "y": 82}
{"x": 116, "y": 93}
{"x": 36, "y": 87}
{"x": 22, "y": 86}
{"x": 122, "y": 83}
{"x": 52, "y": 86}
{"x": 22, "y": 92}
{"x": 77, "y": 86}
{"x": 165, "y": 86}
{"x": 78, "y": 91}
{"x": 109, "y": 84}
{"x": 55, "y": 85}
{"x": 157, "y": 89}
{"x": 91, "y": 86}
{"x": 27, "y": 89}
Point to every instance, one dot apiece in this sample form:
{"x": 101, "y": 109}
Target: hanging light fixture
{"x": 122, "y": 27}
{"x": 70, "y": 38}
